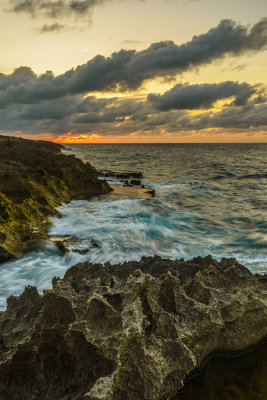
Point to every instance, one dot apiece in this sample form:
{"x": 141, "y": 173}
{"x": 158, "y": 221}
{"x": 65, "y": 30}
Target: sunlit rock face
{"x": 35, "y": 178}
{"x": 131, "y": 331}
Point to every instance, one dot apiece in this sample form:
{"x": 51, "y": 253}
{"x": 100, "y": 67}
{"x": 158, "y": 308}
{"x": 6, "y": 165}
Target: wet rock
{"x": 151, "y": 192}
{"x": 35, "y": 178}
{"x": 71, "y": 244}
{"x": 135, "y": 182}
{"x": 126, "y": 183}
{"x": 96, "y": 244}
{"x": 61, "y": 246}
{"x": 80, "y": 251}
{"x": 4, "y": 254}
{"x": 132, "y": 331}
{"x": 120, "y": 175}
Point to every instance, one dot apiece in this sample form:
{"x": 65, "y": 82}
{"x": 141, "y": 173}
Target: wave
{"x": 122, "y": 230}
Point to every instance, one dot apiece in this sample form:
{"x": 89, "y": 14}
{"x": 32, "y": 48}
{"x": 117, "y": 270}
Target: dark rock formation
{"x": 120, "y": 175}
{"x": 127, "y": 180}
{"x": 35, "y": 178}
{"x": 135, "y": 182}
{"x": 128, "y": 332}
{"x": 230, "y": 376}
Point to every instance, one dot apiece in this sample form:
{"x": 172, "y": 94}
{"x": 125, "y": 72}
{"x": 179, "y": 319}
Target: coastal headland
{"x": 35, "y": 178}
{"x": 155, "y": 329}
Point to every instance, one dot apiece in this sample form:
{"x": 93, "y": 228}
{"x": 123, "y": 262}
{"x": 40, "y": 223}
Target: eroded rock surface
{"x": 35, "y": 177}
{"x": 132, "y": 331}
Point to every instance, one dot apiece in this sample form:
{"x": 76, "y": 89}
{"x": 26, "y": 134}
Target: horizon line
{"x": 160, "y": 142}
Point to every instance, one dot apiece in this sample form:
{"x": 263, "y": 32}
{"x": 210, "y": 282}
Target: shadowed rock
{"x": 132, "y": 331}
{"x": 120, "y": 175}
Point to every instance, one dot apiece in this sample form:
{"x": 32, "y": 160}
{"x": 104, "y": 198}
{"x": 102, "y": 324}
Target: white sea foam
{"x": 202, "y": 207}
{"x": 117, "y": 231}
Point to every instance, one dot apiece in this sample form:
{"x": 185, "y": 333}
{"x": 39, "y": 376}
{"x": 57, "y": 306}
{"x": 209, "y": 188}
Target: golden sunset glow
{"x": 205, "y": 136}
{"x": 135, "y": 71}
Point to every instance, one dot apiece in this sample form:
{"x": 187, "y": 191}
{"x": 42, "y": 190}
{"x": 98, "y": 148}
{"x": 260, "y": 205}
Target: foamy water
{"x": 213, "y": 204}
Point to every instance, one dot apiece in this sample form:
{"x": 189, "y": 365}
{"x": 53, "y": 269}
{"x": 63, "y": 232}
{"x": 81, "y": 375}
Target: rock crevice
{"x": 132, "y": 331}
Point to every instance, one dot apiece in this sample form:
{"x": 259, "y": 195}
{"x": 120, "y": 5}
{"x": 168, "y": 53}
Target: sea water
{"x": 210, "y": 199}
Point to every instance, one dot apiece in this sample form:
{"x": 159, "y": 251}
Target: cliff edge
{"x": 35, "y": 178}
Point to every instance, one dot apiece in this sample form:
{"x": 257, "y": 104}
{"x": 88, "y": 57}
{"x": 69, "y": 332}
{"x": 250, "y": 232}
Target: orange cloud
{"x": 212, "y": 135}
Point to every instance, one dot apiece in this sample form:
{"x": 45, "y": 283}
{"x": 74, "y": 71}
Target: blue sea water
{"x": 210, "y": 199}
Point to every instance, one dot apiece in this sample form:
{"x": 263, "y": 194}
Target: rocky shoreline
{"x": 126, "y": 184}
{"x": 133, "y": 331}
{"x": 150, "y": 330}
{"x": 35, "y": 178}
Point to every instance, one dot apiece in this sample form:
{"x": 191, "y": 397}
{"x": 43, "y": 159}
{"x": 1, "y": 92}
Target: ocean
{"x": 210, "y": 199}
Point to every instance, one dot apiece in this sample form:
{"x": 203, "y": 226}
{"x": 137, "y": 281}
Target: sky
{"x": 134, "y": 71}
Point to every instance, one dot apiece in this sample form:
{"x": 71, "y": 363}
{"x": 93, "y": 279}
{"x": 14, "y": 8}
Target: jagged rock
{"x": 128, "y": 332}
{"x": 61, "y": 246}
{"x": 35, "y": 178}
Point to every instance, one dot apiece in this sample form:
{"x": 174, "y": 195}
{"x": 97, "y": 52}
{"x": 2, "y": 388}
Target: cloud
{"x": 239, "y": 68}
{"x": 55, "y": 9}
{"x": 190, "y": 97}
{"x": 132, "y": 41}
{"x": 122, "y": 116}
{"x": 51, "y": 28}
{"x": 245, "y": 117}
{"x": 129, "y": 69}
{"x": 38, "y": 104}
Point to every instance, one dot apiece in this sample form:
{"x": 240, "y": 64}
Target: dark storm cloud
{"x": 60, "y": 109}
{"x": 190, "y": 97}
{"x": 228, "y": 38}
{"x": 250, "y": 117}
{"x": 128, "y": 69}
{"x": 122, "y": 116}
{"x": 243, "y": 118}
{"x": 231, "y": 119}
{"x": 56, "y": 104}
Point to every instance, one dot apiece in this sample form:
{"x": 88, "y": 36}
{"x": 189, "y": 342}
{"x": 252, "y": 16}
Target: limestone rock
{"x": 128, "y": 332}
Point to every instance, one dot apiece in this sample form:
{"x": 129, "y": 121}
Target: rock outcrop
{"x": 129, "y": 332}
{"x": 35, "y": 177}
{"x": 120, "y": 175}
{"x": 126, "y": 184}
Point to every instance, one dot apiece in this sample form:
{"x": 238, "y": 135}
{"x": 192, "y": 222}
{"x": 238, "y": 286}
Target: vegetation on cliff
{"x": 35, "y": 177}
